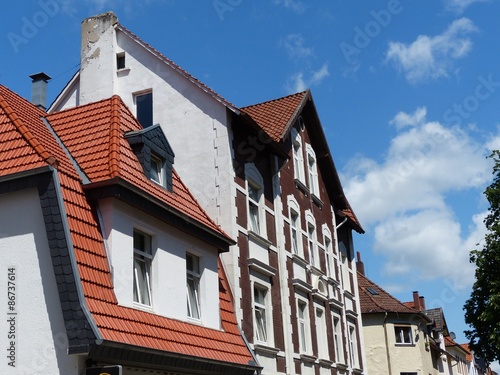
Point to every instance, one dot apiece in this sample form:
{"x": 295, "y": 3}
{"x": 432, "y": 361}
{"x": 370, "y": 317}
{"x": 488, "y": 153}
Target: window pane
{"x": 192, "y": 298}
{"x": 156, "y": 168}
{"x": 144, "y": 105}
{"x": 254, "y": 218}
{"x": 253, "y": 193}
{"x": 141, "y": 284}
{"x": 260, "y": 320}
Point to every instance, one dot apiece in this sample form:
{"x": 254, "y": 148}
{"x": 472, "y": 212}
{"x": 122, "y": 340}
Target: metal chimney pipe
{"x": 39, "y": 89}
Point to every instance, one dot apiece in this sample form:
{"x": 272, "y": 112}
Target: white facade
{"x": 168, "y": 269}
{"x": 36, "y": 333}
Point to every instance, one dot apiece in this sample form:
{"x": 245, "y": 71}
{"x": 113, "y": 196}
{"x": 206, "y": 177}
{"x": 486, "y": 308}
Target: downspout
{"x": 389, "y": 368}
{"x": 342, "y": 223}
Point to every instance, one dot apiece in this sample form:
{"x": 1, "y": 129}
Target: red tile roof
{"x": 449, "y": 342}
{"x": 27, "y": 144}
{"x": 276, "y": 116}
{"x": 94, "y": 135}
{"x": 380, "y": 302}
{"x": 469, "y": 352}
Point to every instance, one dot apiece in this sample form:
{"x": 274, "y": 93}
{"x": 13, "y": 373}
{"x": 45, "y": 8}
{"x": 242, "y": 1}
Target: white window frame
{"x": 303, "y": 326}
{"x": 344, "y": 270}
{"x": 353, "y": 345}
{"x": 193, "y": 280}
{"x": 337, "y": 337}
{"x": 321, "y": 332}
{"x": 298, "y": 156}
{"x": 328, "y": 245}
{"x": 157, "y": 170}
{"x": 400, "y": 337}
{"x": 312, "y": 170}
{"x": 255, "y": 181}
{"x": 261, "y": 313}
{"x": 142, "y": 293}
{"x": 312, "y": 239}
{"x": 294, "y": 208}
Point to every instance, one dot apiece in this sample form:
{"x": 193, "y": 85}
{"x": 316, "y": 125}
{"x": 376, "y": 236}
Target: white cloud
{"x": 403, "y": 119}
{"x": 295, "y": 46}
{"x": 432, "y": 57}
{"x": 295, "y": 5}
{"x": 298, "y": 83}
{"x": 404, "y": 199}
{"x": 459, "y": 6}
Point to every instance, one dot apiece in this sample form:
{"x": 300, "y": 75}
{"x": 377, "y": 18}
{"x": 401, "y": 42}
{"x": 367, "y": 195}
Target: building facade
{"x": 265, "y": 174}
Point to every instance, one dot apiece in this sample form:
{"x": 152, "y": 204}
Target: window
{"x": 256, "y": 205}
{"x": 312, "y": 171}
{"x": 298, "y": 161}
{"x": 353, "y": 342}
{"x": 253, "y": 207}
{"x": 321, "y": 333}
{"x": 144, "y": 108}
{"x": 142, "y": 268}
{"x": 337, "y": 336}
{"x": 157, "y": 173}
{"x": 193, "y": 285}
{"x": 294, "y": 231}
{"x": 259, "y": 307}
{"x": 346, "y": 280}
{"x": 403, "y": 335}
{"x": 302, "y": 322}
{"x": 120, "y": 60}
{"x": 311, "y": 242}
{"x": 327, "y": 240}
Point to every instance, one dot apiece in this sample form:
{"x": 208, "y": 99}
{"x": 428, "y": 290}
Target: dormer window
{"x": 157, "y": 173}
{"x": 154, "y": 153}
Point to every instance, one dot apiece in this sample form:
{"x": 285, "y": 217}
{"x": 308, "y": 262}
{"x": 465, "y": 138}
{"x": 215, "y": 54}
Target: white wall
{"x": 168, "y": 268}
{"x": 41, "y": 341}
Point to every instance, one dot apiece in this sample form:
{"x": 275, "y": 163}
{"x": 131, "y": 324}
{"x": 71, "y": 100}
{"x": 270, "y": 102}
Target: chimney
{"x": 422, "y": 303}
{"x": 39, "y": 90}
{"x": 359, "y": 264}
{"x": 416, "y": 301}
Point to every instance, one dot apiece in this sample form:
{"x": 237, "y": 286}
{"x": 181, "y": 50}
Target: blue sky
{"x": 407, "y": 91}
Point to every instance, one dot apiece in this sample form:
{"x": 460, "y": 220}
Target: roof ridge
{"x": 277, "y": 99}
{"x": 25, "y": 132}
{"x": 114, "y": 136}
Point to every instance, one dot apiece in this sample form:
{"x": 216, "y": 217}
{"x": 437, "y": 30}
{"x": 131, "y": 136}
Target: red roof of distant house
{"x": 27, "y": 144}
{"x": 374, "y": 299}
{"x": 469, "y": 352}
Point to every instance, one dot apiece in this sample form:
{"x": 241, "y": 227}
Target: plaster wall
{"x": 168, "y": 271}
{"x": 37, "y": 335}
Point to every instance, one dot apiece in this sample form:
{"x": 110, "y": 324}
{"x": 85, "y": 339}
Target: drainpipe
{"x": 387, "y": 346}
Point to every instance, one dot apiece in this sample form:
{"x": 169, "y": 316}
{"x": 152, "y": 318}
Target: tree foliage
{"x": 482, "y": 309}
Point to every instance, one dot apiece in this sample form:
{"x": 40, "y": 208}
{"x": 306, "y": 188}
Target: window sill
{"x": 351, "y": 314}
{"x": 261, "y": 267}
{"x": 123, "y": 71}
{"x": 307, "y": 358}
{"x": 325, "y": 362}
{"x": 265, "y": 349}
{"x": 336, "y": 303}
{"x": 257, "y": 238}
{"x": 140, "y": 306}
{"x": 302, "y": 187}
{"x": 318, "y": 202}
{"x": 405, "y": 345}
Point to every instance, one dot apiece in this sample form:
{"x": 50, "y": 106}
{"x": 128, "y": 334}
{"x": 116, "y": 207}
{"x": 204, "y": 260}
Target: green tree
{"x": 482, "y": 309}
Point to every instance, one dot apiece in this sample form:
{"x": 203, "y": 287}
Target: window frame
{"x": 353, "y": 345}
{"x": 338, "y": 343}
{"x": 303, "y": 326}
{"x": 312, "y": 171}
{"x": 255, "y": 181}
{"x": 312, "y": 239}
{"x": 193, "y": 294}
{"x": 294, "y": 209}
{"x": 262, "y": 308}
{"x": 321, "y": 332}
{"x": 160, "y": 176}
{"x": 145, "y": 257}
{"x": 402, "y": 328}
{"x": 298, "y": 156}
